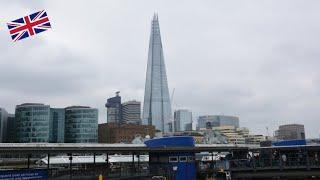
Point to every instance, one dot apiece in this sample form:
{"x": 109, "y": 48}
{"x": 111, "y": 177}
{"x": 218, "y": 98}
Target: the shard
{"x": 157, "y": 107}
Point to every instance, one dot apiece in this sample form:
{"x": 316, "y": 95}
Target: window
{"x": 190, "y": 158}
{"x": 183, "y": 158}
{"x": 173, "y": 159}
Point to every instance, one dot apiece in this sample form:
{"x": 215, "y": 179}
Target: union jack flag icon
{"x": 29, "y": 25}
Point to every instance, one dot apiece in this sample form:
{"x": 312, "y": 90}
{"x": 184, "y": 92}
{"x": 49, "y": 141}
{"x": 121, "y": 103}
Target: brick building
{"x": 123, "y": 133}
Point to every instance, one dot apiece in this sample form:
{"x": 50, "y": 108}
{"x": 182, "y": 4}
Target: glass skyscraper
{"x": 156, "y": 108}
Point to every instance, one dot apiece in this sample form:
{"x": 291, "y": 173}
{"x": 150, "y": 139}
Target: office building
{"x": 183, "y": 120}
{"x": 81, "y": 124}
{"x": 209, "y": 121}
{"x": 131, "y": 112}
{"x": 3, "y": 125}
{"x": 123, "y": 133}
{"x": 114, "y": 110}
{"x": 290, "y": 132}
{"x": 233, "y": 135}
{"x": 156, "y": 107}
{"x": 236, "y": 135}
{"x": 57, "y": 125}
{"x": 255, "y": 139}
{"x": 11, "y": 129}
{"x": 32, "y": 122}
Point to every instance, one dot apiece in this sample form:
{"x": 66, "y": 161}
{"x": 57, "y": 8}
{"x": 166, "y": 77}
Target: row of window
{"x": 173, "y": 159}
{"x": 69, "y": 116}
{"x": 81, "y": 121}
{"x": 81, "y": 111}
{"x": 20, "y": 109}
{"x": 78, "y": 136}
{"x": 91, "y": 130}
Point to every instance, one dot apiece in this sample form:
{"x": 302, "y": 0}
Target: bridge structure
{"x": 241, "y": 161}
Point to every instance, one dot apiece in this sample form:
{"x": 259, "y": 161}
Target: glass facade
{"x": 3, "y": 125}
{"x": 157, "y": 107}
{"x": 11, "y": 129}
{"x": 207, "y": 122}
{"x": 114, "y": 111}
{"x": 81, "y": 124}
{"x": 32, "y": 121}
{"x": 57, "y": 121}
{"x": 183, "y": 120}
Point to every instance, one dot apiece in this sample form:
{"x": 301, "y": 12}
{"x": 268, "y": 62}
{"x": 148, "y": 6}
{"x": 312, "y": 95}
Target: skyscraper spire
{"x": 156, "y": 108}
{"x": 155, "y": 17}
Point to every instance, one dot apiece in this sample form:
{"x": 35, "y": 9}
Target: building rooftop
{"x": 30, "y": 104}
{"x": 77, "y": 107}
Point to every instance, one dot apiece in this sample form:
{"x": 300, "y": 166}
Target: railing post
{"x": 94, "y": 159}
{"x": 280, "y": 161}
{"x": 28, "y": 161}
{"x": 138, "y": 163}
{"x": 254, "y": 162}
{"x": 70, "y": 166}
{"x": 307, "y": 159}
{"x": 48, "y": 165}
{"x": 107, "y": 159}
{"x": 133, "y": 167}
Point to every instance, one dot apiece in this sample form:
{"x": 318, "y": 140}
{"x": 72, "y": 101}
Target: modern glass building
{"x": 57, "y": 121}
{"x": 114, "y": 110}
{"x": 156, "y": 107}
{"x": 209, "y": 121}
{"x": 183, "y": 120}
{"x": 3, "y": 125}
{"x": 32, "y": 122}
{"x": 11, "y": 129}
{"x": 81, "y": 124}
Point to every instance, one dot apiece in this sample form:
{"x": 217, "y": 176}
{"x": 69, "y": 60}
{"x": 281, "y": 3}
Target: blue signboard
{"x": 38, "y": 174}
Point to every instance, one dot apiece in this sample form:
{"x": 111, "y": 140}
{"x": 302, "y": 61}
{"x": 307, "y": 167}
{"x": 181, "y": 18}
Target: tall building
{"x": 290, "y": 132}
{"x": 131, "y": 112}
{"x": 81, "y": 124}
{"x": 3, "y": 125}
{"x": 32, "y": 122}
{"x": 156, "y": 107}
{"x": 57, "y": 125}
{"x": 183, "y": 120}
{"x": 209, "y": 121}
{"x": 114, "y": 110}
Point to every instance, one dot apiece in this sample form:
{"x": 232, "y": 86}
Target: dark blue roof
{"x": 174, "y": 141}
{"x": 290, "y": 142}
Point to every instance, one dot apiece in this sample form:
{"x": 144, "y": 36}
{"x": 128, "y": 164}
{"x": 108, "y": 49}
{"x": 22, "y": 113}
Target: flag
{"x": 29, "y": 25}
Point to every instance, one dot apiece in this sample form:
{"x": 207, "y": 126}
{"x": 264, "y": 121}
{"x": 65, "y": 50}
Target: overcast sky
{"x": 258, "y": 60}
